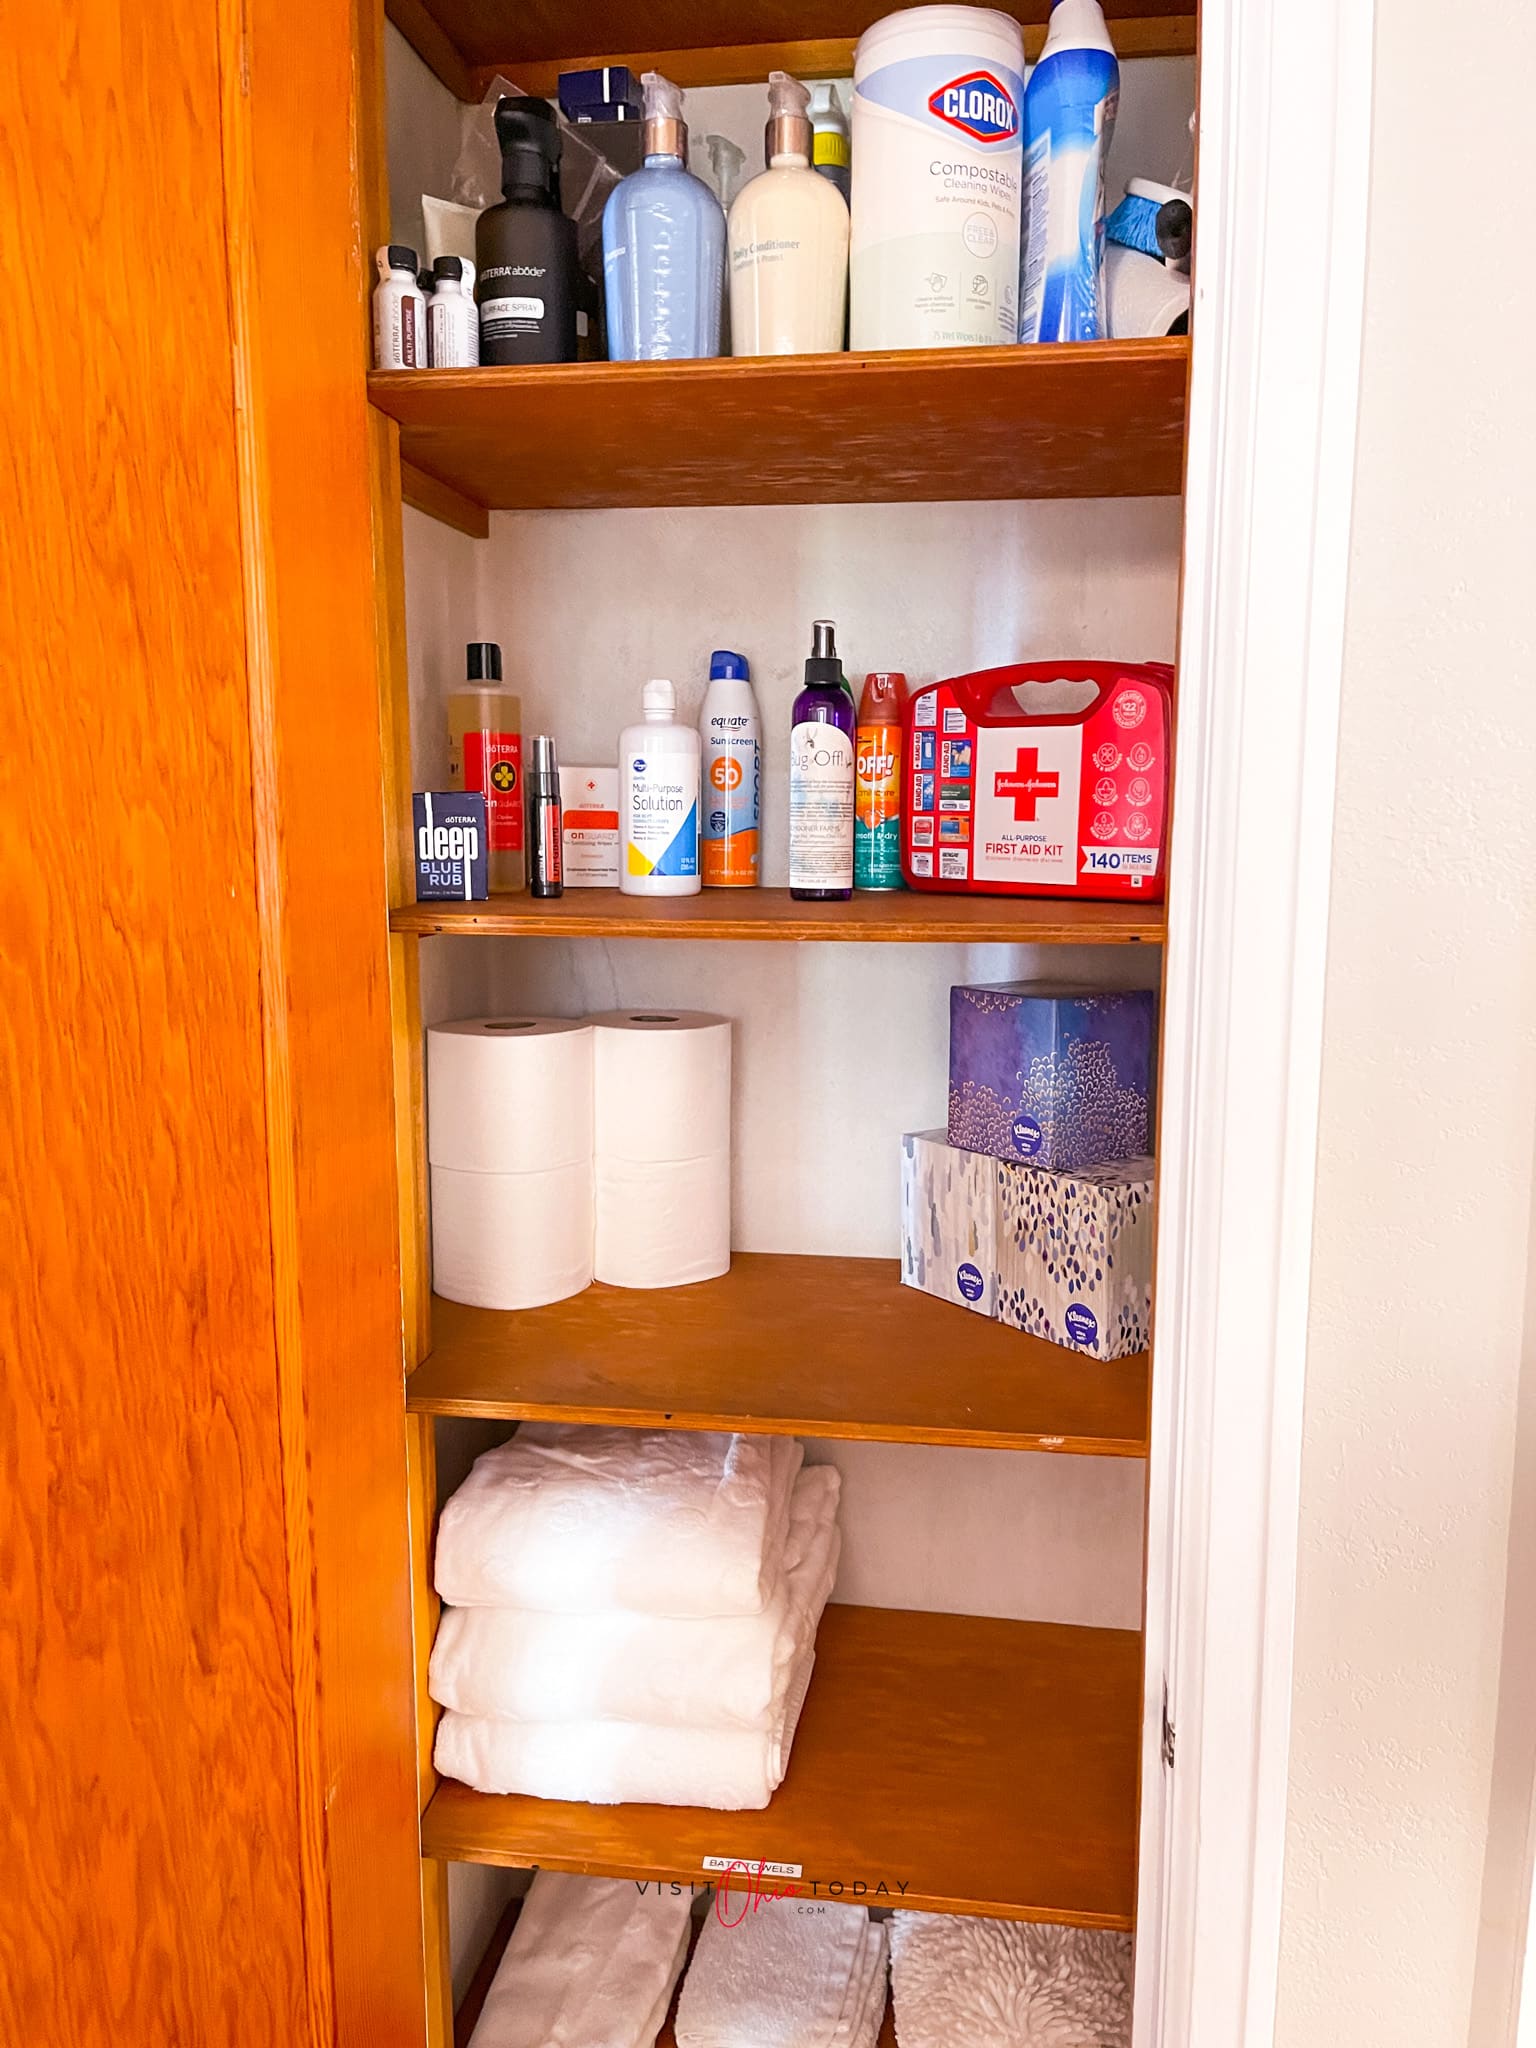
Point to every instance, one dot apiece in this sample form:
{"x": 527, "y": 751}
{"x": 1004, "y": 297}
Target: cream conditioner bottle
{"x": 789, "y": 242}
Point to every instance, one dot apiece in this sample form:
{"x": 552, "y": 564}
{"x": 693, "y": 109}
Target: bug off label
{"x": 938, "y": 170}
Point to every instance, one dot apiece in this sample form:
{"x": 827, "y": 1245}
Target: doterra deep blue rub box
{"x": 1055, "y": 1077}
{"x": 450, "y": 846}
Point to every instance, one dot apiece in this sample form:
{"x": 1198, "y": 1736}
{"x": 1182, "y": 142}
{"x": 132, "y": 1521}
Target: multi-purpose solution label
{"x": 820, "y": 807}
{"x": 661, "y": 828}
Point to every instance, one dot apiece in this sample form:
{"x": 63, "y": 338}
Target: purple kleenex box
{"x": 1058, "y": 1077}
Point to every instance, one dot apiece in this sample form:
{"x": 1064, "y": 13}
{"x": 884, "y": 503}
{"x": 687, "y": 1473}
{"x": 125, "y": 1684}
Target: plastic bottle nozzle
{"x": 824, "y": 639}
{"x": 665, "y": 132}
{"x": 789, "y": 123}
{"x": 658, "y": 699}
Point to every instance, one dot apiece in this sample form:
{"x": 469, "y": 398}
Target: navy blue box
{"x": 450, "y": 846}
{"x": 608, "y": 92}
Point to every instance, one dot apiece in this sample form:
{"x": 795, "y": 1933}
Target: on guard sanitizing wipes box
{"x": 1044, "y": 779}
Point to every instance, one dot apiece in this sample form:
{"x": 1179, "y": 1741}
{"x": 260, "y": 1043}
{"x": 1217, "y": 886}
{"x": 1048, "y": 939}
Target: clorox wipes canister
{"x": 938, "y": 94}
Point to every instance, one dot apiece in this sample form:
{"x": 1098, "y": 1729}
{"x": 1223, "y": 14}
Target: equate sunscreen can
{"x": 730, "y": 797}
{"x": 877, "y": 783}
{"x": 938, "y": 95}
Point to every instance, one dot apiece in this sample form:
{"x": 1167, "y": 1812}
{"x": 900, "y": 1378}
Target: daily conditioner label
{"x": 820, "y": 808}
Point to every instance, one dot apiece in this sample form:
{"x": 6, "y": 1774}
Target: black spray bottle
{"x": 525, "y": 249}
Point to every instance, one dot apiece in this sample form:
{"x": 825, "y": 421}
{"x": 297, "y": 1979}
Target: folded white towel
{"x": 613, "y": 1763}
{"x": 720, "y": 1671}
{"x": 794, "y": 1973}
{"x": 570, "y": 1520}
{"x": 591, "y": 1964}
{"x": 965, "y": 1983}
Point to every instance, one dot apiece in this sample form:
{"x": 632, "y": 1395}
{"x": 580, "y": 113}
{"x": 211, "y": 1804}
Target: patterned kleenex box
{"x": 1059, "y": 1077}
{"x": 1074, "y": 1255}
{"x": 949, "y": 1221}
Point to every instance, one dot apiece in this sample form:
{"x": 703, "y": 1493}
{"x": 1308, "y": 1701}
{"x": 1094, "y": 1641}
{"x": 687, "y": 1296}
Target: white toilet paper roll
{"x": 509, "y": 1094}
{"x": 1141, "y": 296}
{"x": 663, "y": 1224}
{"x": 511, "y": 1240}
{"x": 661, "y": 1085}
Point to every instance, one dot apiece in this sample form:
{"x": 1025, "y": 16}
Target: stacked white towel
{"x": 794, "y": 1973}
{"x": 591, "y": 1964}
{"x": 964, "y": 1983}
{"x": 634, "y": 1615}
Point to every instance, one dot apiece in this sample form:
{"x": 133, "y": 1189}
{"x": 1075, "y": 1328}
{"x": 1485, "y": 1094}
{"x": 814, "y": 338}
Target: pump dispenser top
{"x": 787, "y": 137}
{"x": 665, "y": 132}
{"x": 530, "y": 143}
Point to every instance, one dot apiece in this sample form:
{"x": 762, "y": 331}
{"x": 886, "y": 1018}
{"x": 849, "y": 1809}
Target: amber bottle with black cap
{"x": 485, "y": 752}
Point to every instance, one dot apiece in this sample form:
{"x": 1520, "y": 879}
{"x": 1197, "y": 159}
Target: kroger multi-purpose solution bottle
{"x": 877, "y": 783}
{"x": 936, "y": 174}
{"x": 821, "y": 777}
{"x": 729, "y": 730}
{"x": 659, "y": 800}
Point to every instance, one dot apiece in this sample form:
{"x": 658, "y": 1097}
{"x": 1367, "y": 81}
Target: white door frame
{"x": 1285, "y": 95}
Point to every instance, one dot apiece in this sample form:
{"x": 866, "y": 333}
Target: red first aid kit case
{"x": 1044, "y": 779}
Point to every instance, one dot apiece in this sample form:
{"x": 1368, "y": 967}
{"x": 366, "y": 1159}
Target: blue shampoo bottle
{"x": 663, "y": 246}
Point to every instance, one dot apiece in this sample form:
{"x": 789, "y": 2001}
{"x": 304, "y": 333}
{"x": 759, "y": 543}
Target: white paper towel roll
{"x": 512, "y": 1240}
{"x": 1141, "y": 296}
{"x": 661, "y": 1085}
{"x": 509, "y": 1094}
{"x": 663, "y": 1223}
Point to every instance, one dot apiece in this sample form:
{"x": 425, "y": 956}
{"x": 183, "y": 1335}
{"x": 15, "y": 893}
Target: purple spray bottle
{"x": 821, "y": 755}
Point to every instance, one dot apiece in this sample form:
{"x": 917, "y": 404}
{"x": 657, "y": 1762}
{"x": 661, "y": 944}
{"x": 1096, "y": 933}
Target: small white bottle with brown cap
{"x": 789, "y": 242}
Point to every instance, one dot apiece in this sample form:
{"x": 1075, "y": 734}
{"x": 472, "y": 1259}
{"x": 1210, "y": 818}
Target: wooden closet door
{"x": 208, "y": 1777}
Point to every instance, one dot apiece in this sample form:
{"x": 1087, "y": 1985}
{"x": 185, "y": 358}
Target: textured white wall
{"x": 1409, "y": 1803}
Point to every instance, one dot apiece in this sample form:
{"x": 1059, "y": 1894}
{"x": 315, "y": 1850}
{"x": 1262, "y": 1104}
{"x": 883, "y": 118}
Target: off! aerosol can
{"x": 729, "y": 799}
{"x": 877, "y": 783}
{"x": 938, "y": 94}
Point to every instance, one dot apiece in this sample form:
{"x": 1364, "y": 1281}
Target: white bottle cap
{"x": 658, "y": 699}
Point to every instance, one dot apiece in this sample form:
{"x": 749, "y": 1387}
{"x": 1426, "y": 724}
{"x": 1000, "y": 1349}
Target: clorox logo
{"x": 979, "y": 106}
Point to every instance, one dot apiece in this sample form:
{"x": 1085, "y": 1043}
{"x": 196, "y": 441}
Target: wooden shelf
{"x": 988, "y": 1765}
{"x": 903, "y": 915}
{"x": 705, "y": 42}
{"x": 784, "y": 1346}
{"x": 1075, "y": 420}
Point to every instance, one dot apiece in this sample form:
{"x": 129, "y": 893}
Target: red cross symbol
{"x": 1026, "y": 782}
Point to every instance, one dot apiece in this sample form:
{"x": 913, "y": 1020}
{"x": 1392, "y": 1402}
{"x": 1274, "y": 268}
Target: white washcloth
{"x": 722, "y": 1671}
{"x": 571, "y": 1520}
{"x": 794, "y": 1973}
{"x": 591, "y": 1964}
{"x": 614, "y": 1763}
{"x": 966, "y": 1983}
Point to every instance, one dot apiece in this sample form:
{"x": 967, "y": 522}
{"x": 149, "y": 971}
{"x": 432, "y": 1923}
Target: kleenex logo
{"x": 979, "y": 105}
